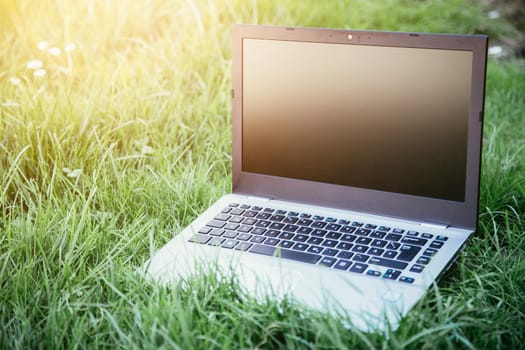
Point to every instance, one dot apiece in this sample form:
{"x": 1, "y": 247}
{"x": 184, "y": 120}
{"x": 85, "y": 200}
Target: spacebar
{"x": 285, "y": 253}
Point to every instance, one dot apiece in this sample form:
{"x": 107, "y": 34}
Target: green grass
{"x": 142, "y": 108}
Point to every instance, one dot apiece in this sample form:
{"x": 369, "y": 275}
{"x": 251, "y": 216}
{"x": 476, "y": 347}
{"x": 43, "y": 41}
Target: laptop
{"x": 355, "y": 170}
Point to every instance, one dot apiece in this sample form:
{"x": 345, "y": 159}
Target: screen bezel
{"x": 431, "y": 210}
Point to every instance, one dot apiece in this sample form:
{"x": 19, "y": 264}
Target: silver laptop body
{"x": 355, "y": 169}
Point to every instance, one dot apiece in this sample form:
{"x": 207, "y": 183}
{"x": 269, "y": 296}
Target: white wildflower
{"x": 147, "y": 150}
{"x": 55, "y": 51}
{"x": 72, "y": 173}
{"x": 39, "y": 73}
{"x": 493, "y": 14}
{"x": 43, "y": 45}
{"x": 34, "y": 64}
{"x": 15, "y": 81}
{"x": 496, "y": 51}
{"x": 70, "y": 47}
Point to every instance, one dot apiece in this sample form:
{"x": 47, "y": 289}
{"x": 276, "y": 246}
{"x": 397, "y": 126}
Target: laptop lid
{"x": 378, "y": 122}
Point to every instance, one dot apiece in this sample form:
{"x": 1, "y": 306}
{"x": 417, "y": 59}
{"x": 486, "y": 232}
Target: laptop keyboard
{"x": 358, "y": 247}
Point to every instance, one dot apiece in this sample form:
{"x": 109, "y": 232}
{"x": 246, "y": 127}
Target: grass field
{"x": 115, "y": 134}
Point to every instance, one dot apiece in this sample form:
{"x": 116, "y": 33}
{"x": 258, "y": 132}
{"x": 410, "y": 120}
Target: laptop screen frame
{"x": 422, "y": 209}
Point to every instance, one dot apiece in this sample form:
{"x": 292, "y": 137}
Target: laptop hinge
{"x": 434, "y": 225}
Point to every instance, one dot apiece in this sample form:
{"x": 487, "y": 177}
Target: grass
{"x": 127, "y": 138}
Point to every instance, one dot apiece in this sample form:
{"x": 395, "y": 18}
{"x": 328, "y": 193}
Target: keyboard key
{"x": 276, "y": 226}
{"x": 327, "y": 261}
{"x": 318, "y": 224}
{"x": 436, "y": 244}
{"x": 233, "y": 204}
{"x": 222, "y": 217}
{"x": 390, "y": 254}
{"x": 417, "y": 268}
{"x": 217, "y": 232}
{"x": 293, "y": 213}
{"x": 384, "y": 228}
{"x": 414, "y": 241}
{"x": 427, "y": 235}
{"x": 330, "y": 219}
{"x": 319, "y": 233}
{"x": 244, "y": 237}
{"x": 423, "y": 260}
{"x": 216, "y": 241}
{"x": 285, "y": 253}
{"x": 412, "y": 233}
{"x": 216, "y": 224}
{"x": 205, "y": 230}
{"x": 277, "y": 217}
{"x": 230, "y": 244}
{"x": 250, "y": 214}
{"x": 357, "y": 224}
{"x": 286, "y": 244}
{"x": 249, "y": 221}
{"x": 406, "y": 279}
{"x": 271, "y": 241}
{"x": 363, "y": 240}
{"x": 358, "y": 268}
{"x": 318, "y": 218}
{"x": 343, "y": 222}
{"x": 398, "y": 230}
{"x": 387, "y": 263}
{"x": 258, "y": 231}
{"x": 391, "y": 274}
{"x": 261, "y": 223}
{"x": 226, "y": 210}
{"x": 330, "y": 252}
{"x": 281, "y": 212}
{"x": 230, "y": 234}
{"x": 393, "y": 237}
{"x": 198, "y": 238}
{"x": 272, "y": 233}
{"x": 376, "y": 251}
{"x": 363, "y": 232}
{"x": 237, "y": 219}
{"x": 370, "y": 226}
{"x": 348, "y": 238}
{"x": 244, "y": 206}
{"x": 257, "y": 239}
{"x": 290, "y": 220}
{"x": 263, "y": 216}
{"x": 342, "y": 265}
{"x": 307, "y": 216}
{"x": 361, "y": 258}
{"x": 300, "y": 246}
{"x": 344, "y": 245}
{"x": 304, "y": 230}
{"x": 286, "y": 235}
{"x": 442, "y": 238}
{"x": 347, "y": 229}
{"x": 333, "y": 227}
{"x": 243, "y": 246}
{"x": 304, "y": 222}
{"x": 231, "y": 226}
{"x": 430, "y": 252}
{"x": 345, "y": 255}
{"x": 329, "y": 243}
{"x": 373, "y": 273}
{"x": 236, "y": 211}
{"x": 300, "y": 238}
{"x": 315, "y": 240}
{"x": 245, "y": 228}
{"x": 290, "y": 228}
{"x": 268, "y": 210}
{"x": 379, "y": 243}
{"x": 378, "y": 234}
{"x": 315, "y": 249}
{"x": 256, "y": 208}
{"x": 333, "y": 235}
{"x": 408, "y": 252}
{"x": 393, "y": 245}
{"x": 360, "y": 248}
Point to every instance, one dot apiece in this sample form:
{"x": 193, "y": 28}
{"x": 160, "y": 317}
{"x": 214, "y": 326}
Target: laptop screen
{"x": 392, "y": 119}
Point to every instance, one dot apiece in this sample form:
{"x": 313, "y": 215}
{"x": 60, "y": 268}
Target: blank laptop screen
{"x": 391, "y": 119}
